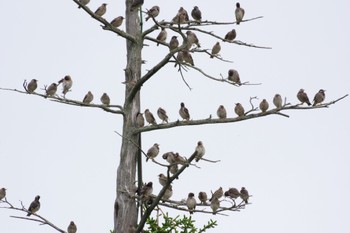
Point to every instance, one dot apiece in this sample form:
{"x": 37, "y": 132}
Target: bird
{"x": 264, "y": 105}
{"x": 72, "y": 228}
{"x": 187, "y": 57}
{"x": 149, "y": 117}
{"x": 179, "y": 58}
{"x": 277, "y": 101}
{"x": 105, "y": 99}
{"x": 101, "y": 10}
{"x": 191, "y": 203}
{"x": 162, "y": 36}
{"x": 302, "y": 97}
{"x": 233, "y": 193}
{"x": 192, "y": 39}
{"x": 162, "y": 115}
{"x": 140, "y": 121}
{"x": 34, "y": 206}
{"x": 233, "y": 76}
{"x": 83, "y": 2}
{"x": 88, "y": 98}
{"x": 67, "y": 84}
{"x": 202, "y": 196}
{"x": 231, "y": 35}
{"x": 136, "y": 4}
{"x": 116, "y": 22}
{"x": 2, "y": 193}
{"x": 173, "y": 169}
{"x": 200, "y": 151}
{"x": 215, "y": 204}
{"x": 162, "y": 179}
{"x": 184, "y": 112}
{"x": 239, "y": 13}
{"x": 168, "y": 193}
{"x": 32, "y": 85}
{"x": 196, "y": 14}
{"x": 169, "y": 157}
{"x": 244, "y": 195}
{"x": 221, "y": 112}
{"x": 51, "y": 90}
{"x": 146, "y": 191}
{"x": 239, "y": 110}
{"x": 174, "y": 43}
{"x": 217, "y": 194}
{"x": 181, "y": 16}
{"x": 179, "y": 159}
{"x": 153, "y": 151}
{"x": 153, "y": 12}
{"x": 319, "y": 97}
{"x": 215, "y": 50}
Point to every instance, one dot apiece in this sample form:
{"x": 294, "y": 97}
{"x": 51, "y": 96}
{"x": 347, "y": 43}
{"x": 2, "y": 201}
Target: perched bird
{"x": 153, "y": 151}
{"x": 200, "y": 151}
{"x": 168, "y": 193}
{"x": 72, "y": 228}
{"x": 149, "y": 117}
{"x": 174, "y": 43}
{"x": 88, "y": 98}
{"x": 162, "y": 36}
{"x": 162, "y": 115}
{"x": 67, "y": 84}
{"x": 233, "y": 193}
{"x": 169, "y": 157}
{"x": 34, "y": 206}
{"x": 184, "y": 112}
{"x": 2, "y": 193}
{"x": 153, "y": 12}
{"x": 101, "y": 10}
{"x": 136, "y": 4}
{"x": 215, "y": 204}
{"x": 221, "y": 112}
{"x": 244, "y": 195}
{"x": 196, "y": 14}
{"x": 239, "y": 110}
{"x": 140, "y": 121}
{"x": 179, "y": 58}
{"x": 192, "y": 39}
{"x": 184, "y": 12}
{"x": 264, "y": 105}
{"x": 179, "y": 159}
{"x": 234, "y": 76}
{"x": 191, "y": 202}
{"x": 181, "y": 16}
{"x": 187, "y": 57}
{"x": 277, "y": 101}
{"x": 302, "y": 97}
{"x": 32, "y": 85}
{"x": 202, "y": 196}
{"x": 217, "y": 194}
{"x": 83, "y": 2}
{"x": 105, "y": 99}
{"x": 116, "y": 22}
{"x": 146, "y": 192}
{"x": 215, "y": 50}
{"x": 162, "y": 179}
{"x": 239, "y": 13}
{"x": 51, "y": 90}
{"x": 231, "y": 35}
{"x": 319, "y": 97}
{"x": 173, "y": 169}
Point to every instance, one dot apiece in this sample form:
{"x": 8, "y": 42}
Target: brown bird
{"x": 88, "y": 98}
{"x": 196, "y": 14}
{"x": 149, "y": 117}
{"x": 234, "y": 76}
{"x": 153, "y": 151}
{"x": 200, "y": 151}
{"x": 319, "y": 97}
{"x": 101, "y": 10}
{"x": 264, "y": 105}
{"x": 215, "y": 204}
{"x": 146, "y": 192}
{"x": 162, "y": 36}
{"x": 179, "y": 58}
{"x": 168, "y": 193}
{"x": 184, "y": 112}
{"x": 239, "y": 110}
{"x": 173, "y": 168}
{"x": 187, "y": 57}
{"x": 221, "y": 112}
{"x": 72, "y": 228}
{"x": 191, "y": 203}
{"x": 202, "y": 196}
{"x": 162, "y": 115}
{"x": 215, "y": 50}
{"x": 244, "y": 195}
{"x": 116, "y": 22}
{"x": 233, "y": 193}
{"x": 2, "y": 193}
{"x": 162, "y": 179}
{"x": 231, "y": 35}
{"x": 277, "y": 101}
{"x": 169, "y": 157}
{"x": 105, "y": 99}
{"x": 174, "y": 43}
{"x": 32, "y": 85}
{"x": 181, "y": 16}
{"x": 153, "y": 12}
{"x": 239, "y": 13}
{"x": 51, "y": 90}
{"x": 192, "y": 39}
{"x": 136, "y": 4}
{"x": 67, "y": 84}
{"x": 140, "y": 121}
{"x": 83, "y": 2}
{"x": 302, "y": 97}
{"x": 217, "y": 194}
{"x": 34, "y": 206}
{"x": 179, "y": 159}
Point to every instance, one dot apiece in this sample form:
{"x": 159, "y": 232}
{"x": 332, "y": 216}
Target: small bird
{"x": 101, "y": 10}
{"x": 215, "y": 50}
{"x": 180, "y": 18}
{"x": 221, "y": 112}
{"x": 184, "y": 112}
{"x": 233, "y": 193}
{"x": 196, "y": 14}
{"x": 200, "y": 151}
{"x": 202, "y": 196}
{"x": 187, "y": 57}
{"x": 140, "y": 121}
{"x": 34, "y": 206}
{"x": 239, "y": 110}
{"x": 72, "y": 228}
{"x": 32, "y": 85}
{"x": 162, "y": 179}
{"x": 192, "y": 39}
{"x": 168, "y": 193}
{"x": 149, "y": 117}
{"x": 244, "y": 195}
{"x": 217, "y": 194}
{"x": 146, "y": 192}
{"x": 83, "y": 2}
{"x": 234, "y": 76}
{"x": 215, "y": 204}
{"x": 173, "y": 168}
{"x": 88, "y": 98}
{"x": 162, "y": 115}
{"x": 319, "y": 97}
{"x": 136, "y": 4}
{"x": 153, "y": 151}
{"x": 162, "y": 36}
{"x": 116, "y": 22}
{"x": 179, "y": 159}
{"x": 169, "y": 157}
{"x": 51, "y": 90}
{"x": 264, "y": 105}
{"x": 105, "y": 99}
{"x": 174, "y": 43}
{"x": 191, "y": 203}
{"x": 2, "y": 193}
{"x": 239, "y": 13}
{"x": 153, "y": 12}
{"x": 184, "y": 12}
{"x": 67, "y": 84}
{"x": 179, "y": 58}
{"x": 277, "y": 101}
{"x": 302, "y": 97}
{"x": 231, "y": 35}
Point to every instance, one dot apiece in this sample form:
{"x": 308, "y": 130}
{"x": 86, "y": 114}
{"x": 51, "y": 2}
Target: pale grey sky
{"x": 297, "y": 169}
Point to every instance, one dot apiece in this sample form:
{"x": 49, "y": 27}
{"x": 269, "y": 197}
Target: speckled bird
{"x": 217, "y": 194}
{"x": 34, "y": 206}
{"x": 192, "y": 39}
{"x": 162, "y": 115}
{"x": 153, "y": 12}
{"x": 149, "y": 117}
{"x": 153, "y": 151}
{"x": 162, "y": 36}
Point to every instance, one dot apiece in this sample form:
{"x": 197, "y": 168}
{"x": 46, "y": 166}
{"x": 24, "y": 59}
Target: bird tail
{"x": 29, "y": 214}
{"x": 211, "y": 56}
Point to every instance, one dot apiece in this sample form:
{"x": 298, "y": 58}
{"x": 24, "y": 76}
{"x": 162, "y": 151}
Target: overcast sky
{"x": 296, "y": 168}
